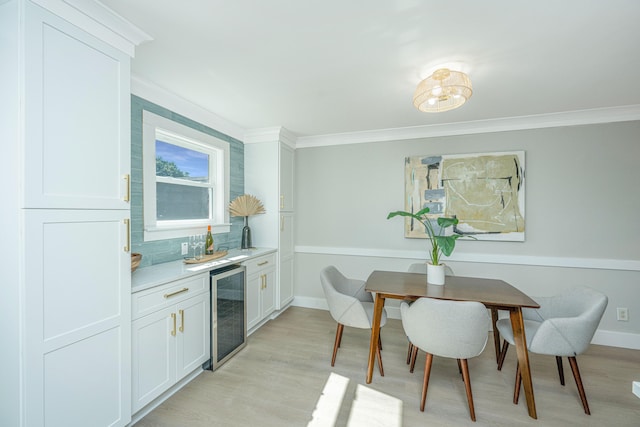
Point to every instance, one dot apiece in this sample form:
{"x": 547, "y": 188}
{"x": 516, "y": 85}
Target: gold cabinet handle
{"x": 181, "y": 329}
{"x": 172, "y": 294}
{"x": 127, "y": 193}
{"x": 263, "y": 263}
{"x": 173, "y": 317}
{"x": 127, "y": 248}
{"x": 263, "y": 279}
{"x": 282, "y": 201}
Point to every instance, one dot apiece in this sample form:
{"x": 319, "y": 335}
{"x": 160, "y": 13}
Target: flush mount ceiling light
{"x": 444, "y": 90}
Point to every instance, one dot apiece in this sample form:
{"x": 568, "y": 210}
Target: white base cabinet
{"x": 261, "y": 289}
{"x": 171, "y": 336}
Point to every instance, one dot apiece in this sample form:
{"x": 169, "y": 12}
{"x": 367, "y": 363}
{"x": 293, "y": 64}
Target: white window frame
{"x": 178, "y": 134}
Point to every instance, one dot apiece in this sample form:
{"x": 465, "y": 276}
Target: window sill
{"x": 154, "y": 234}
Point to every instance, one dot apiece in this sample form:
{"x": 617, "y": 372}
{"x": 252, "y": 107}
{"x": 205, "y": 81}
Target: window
{"x": 186, "y": 180}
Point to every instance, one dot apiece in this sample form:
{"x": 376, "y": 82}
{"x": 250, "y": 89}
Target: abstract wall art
{"x": 485, "y": 191}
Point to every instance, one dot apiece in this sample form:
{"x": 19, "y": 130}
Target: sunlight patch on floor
{"x": 370, "y": 408}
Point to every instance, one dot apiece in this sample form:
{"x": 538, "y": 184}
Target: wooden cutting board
{"x": 206, "y": 258}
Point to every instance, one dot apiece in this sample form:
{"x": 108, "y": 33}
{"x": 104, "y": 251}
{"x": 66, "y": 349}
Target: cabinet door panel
{"x": 96, "y": 388}
{"x": 286, "y": 235}
{"x": 286, "y": 178}
{"x": 77, "y": 112}
{"x": 285, "y": 282}
{"x": 153, "y": 356}
{"x": 75, "y": 296}
{"x": 254, "y": 285}
{"x": 194, "y": 334}
{"x": 268, "y": 295}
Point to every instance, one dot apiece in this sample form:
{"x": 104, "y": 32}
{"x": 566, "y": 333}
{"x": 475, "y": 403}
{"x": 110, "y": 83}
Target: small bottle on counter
{"x": 209, "y": 242}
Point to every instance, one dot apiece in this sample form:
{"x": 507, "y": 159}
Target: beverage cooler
{"x": 228, "y": 313}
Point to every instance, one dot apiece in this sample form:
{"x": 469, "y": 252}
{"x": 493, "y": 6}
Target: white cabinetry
{"x": 269, "y": 175}
{"x": 65, "y": 126}
{"x": 261, "y": 289}
{"x": 171, "y": 336}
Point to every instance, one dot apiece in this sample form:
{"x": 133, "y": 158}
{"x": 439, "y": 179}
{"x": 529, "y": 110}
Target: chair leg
{"x": 414, "y": 356}
{"x": 503, "y": 354}
{"x": 467, "y": 386}
{"x": 516, "y": 389}
{"x": 576, "y": 374}
{"x": 409, "y": 351}
{"x": 425, "y": 381}
{"x": 496, "y": 333}
{"x": 337, "y": 342}
{"x": 459, "y": 367}
{"x": 379, "y": 341}
{"x": 380, "y": 361}
{"x": 560, "y": 369}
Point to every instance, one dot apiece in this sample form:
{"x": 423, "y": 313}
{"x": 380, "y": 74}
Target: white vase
{"x": 435, "y": 274}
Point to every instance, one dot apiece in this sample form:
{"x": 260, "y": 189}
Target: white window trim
{"x": 220, "y": 218}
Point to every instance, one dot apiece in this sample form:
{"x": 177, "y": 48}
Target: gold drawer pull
{"x": 181, "y": 329}
{"x": 263, "y": 263}
{"x": 173, "y": 317}
{"x": 176, "y": 293}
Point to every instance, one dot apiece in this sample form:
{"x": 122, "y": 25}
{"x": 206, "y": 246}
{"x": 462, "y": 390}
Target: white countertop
{"x": 158, "y": 274}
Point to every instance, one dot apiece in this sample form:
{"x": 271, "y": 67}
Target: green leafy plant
{"x": 440, "y": 243}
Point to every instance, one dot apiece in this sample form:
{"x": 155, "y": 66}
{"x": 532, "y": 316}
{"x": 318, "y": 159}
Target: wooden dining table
{"x": 493, "y": 293}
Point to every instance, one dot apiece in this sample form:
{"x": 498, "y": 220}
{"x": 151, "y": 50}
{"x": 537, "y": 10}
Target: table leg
{"x": 375, "y": 334}
{"x": 517, "y": 324}
{"x": 496, "y": 334}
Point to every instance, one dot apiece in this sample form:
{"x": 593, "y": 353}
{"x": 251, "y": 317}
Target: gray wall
{"x": 581, "y": 212}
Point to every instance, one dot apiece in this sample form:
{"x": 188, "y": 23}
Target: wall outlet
{"x": 185, "y": 248}
{"x": 623, "y": 314}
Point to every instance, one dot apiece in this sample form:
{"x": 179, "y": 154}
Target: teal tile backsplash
{"x": 170, "y": 249}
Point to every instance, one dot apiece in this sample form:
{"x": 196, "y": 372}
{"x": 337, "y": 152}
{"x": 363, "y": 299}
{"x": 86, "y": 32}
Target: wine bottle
{"x": 209, "y": 242}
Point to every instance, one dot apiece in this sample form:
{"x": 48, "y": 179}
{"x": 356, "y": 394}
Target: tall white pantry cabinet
{"x": 269, "y": 158}
{"x": 65, "y": 132}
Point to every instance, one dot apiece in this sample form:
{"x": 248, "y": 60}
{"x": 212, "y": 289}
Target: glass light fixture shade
{"x": 444, "y": 90}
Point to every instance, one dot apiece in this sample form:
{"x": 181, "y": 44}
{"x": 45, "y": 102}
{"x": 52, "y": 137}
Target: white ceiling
{"x": 332, "y": 66}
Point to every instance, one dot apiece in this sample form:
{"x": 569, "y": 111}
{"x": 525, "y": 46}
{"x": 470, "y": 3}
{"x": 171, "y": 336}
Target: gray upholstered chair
{"x": 431, "y": 324}
{"x": 563, "y": 326}
{"x": 350, "y": 305}
{"x": 420, "y": 267}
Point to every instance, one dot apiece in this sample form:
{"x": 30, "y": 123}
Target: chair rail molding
{"x": 529, "y": 260}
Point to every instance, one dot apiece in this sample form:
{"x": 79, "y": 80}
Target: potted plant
{"x": 441, "y": 244}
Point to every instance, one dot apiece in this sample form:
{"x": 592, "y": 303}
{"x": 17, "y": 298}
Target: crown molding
{"x": 540, "y": 121}
{"x": 97, "y": 19}
{"x": 270, "y": 134}
{"x": 184, "y": 107}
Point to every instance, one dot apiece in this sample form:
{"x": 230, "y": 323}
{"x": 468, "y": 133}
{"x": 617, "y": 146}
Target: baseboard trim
{"x": 607, "y": 338}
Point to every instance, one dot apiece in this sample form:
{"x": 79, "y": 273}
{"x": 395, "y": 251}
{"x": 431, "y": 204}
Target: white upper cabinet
{"x": 77, "y": 132}
{"x": 286, "y": 180}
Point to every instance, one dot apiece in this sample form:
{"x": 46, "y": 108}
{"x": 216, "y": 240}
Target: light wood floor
{"x": 278, "y": 378}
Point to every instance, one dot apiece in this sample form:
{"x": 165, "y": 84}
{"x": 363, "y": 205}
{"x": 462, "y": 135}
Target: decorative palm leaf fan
{"x": 246, "y": 205}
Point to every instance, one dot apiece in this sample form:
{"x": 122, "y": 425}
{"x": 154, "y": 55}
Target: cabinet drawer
{"x": 260, "y": 263}
{"x": 162, "y": 296}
